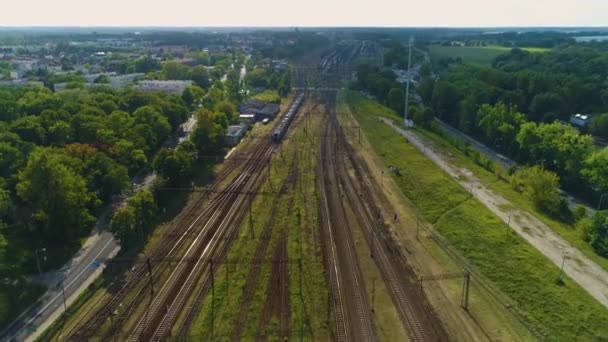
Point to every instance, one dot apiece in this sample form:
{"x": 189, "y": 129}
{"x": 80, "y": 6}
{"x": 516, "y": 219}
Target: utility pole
{"x": 417, "y": 225}
{"x": 373, "y": 294}
{"x": 212, "y": 297}
{"x": 251, "y": 217}
{"x": 561, "y": 271}
{"x": 406, "y": 122}
{"x": 65, "y": 306}
{"x": 509, "y": 222}
{"x": 464, "y": 301}
{"x": 150, "y": 275}
{"x": 269, "y": 180}
{"x": 38, "y": 260}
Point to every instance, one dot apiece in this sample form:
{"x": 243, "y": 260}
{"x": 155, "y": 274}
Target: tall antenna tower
{"x": 406, "y": 121}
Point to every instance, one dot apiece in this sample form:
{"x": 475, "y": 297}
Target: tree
{"x": 173, "y": 164}
{"x": 9, "y": 110}
{"x": 423, "y": 116}
{"x": 11, "y": 159}
{"x": 29, "y": 129}
{"x": 596, "y": 169}
{"x": 6, "y": 204}
{"x": 599, "y": 126}
{"x": 122, "y": 225}
{"x": 106, "y": 176}
{"x": 146, "y": 64}
{"x": 561, "y": 146}
{"x": 208, "y": 136}
{"x": 157, "y": 123}
{"x": 193, "y": 96}
{"x": 499, "y": 122}
{"x": 445, "y": 100}
{"x": 56, "y": 194}
{"x": 227, "y": 109}
{"x": 540, "y": 186}
{"x": 144, "y": 208}
{"x": 175, "y": 71}
{"x": 547, "y": 103}
{"x": 201, "y": 77}
{"x": 59, "y": 133}
{"x": 598, "y": 233}
{"x": 396, "y": 100}
{"x": 102, "y": 79}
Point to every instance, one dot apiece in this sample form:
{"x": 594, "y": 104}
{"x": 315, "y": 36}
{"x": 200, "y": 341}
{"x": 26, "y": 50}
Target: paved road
{"x": 72, "y": 279}
{"x": 83, "y": 268}
{"x": 589, "y": 275}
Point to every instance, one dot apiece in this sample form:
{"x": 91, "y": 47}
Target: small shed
{"x": 234, "y": 134}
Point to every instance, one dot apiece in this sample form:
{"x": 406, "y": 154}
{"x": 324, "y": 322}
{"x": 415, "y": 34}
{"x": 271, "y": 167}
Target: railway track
{"x": 188, "y": 224}
{"x": 261, "y": 248}
{"x": 212, "y": 243}
{"x": 414, "y": 310}
{"x": 169, "y": 301}
{"x": 351, "y": 306}
{"x": 175, "y": 235}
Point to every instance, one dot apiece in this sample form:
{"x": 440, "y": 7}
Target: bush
{"x": 598, "y": 234}
{"x": 541, "y": 187}
{"x": 579, "y": 213}
{"x": 584, "y": 226}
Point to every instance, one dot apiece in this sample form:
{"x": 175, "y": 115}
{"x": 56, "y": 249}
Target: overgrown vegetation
{"x": 566, "y": 312}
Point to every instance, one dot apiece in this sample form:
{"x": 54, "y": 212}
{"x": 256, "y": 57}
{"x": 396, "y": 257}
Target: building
{"x": 260, "y": 109}
{"x": 187, "y": 61}
{"x": 21, "y": 83}
{"x": 121, "y": 81}
{"x": 234, "y": 134}
{"x": 169, "y": 87}
{"x": 580, "y": 120}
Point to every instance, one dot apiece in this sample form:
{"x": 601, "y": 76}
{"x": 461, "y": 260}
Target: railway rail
{"x": 188, "y": 224}
{"x": 351, "y": 306}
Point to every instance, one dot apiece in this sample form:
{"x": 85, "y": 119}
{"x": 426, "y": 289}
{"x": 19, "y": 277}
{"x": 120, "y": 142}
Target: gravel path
{"x": 589, "y": 275}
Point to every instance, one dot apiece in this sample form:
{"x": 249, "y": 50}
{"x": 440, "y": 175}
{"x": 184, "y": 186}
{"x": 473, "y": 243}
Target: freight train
{"x": 280, "y": 131}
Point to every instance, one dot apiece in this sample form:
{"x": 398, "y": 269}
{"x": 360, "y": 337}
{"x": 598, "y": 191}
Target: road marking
{"x": 59, "y": 294}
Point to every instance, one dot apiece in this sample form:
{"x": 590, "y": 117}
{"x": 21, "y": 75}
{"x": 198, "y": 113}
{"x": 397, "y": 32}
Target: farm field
{"x": 475, "y": 55}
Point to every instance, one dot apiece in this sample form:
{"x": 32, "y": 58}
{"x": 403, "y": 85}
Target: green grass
{"x": 502, "y": 187}
{"x": 308, "y": 309}
{"x": 567, "y": 312}
{"x": 475, "y": 55}
{"x": 268, "y": 96}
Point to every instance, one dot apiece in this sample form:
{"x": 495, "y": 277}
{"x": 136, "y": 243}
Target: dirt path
{"x": 581, "y": 269}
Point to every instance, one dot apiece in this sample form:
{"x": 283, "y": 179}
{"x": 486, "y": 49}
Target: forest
{"x": 65, "y": 155}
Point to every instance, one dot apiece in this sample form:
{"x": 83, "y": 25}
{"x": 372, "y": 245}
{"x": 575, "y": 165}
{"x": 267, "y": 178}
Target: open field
{"x": 268, "y": 96}
{"x": 558, "y": 312}
{"x": 476, "y": 55}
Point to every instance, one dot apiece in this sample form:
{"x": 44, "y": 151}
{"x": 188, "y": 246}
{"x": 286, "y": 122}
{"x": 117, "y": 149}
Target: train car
{"x": 282, "y": 128}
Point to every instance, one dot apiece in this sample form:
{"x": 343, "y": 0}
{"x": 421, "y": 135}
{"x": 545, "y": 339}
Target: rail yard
{"x": 277, "y": 246}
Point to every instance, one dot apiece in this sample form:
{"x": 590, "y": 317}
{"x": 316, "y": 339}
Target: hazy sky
{"x": 304, "y": 13}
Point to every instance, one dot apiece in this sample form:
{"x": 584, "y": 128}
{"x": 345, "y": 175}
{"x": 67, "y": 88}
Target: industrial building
{"x": 169, "y": 87}
{"x": 260, "y": 109}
